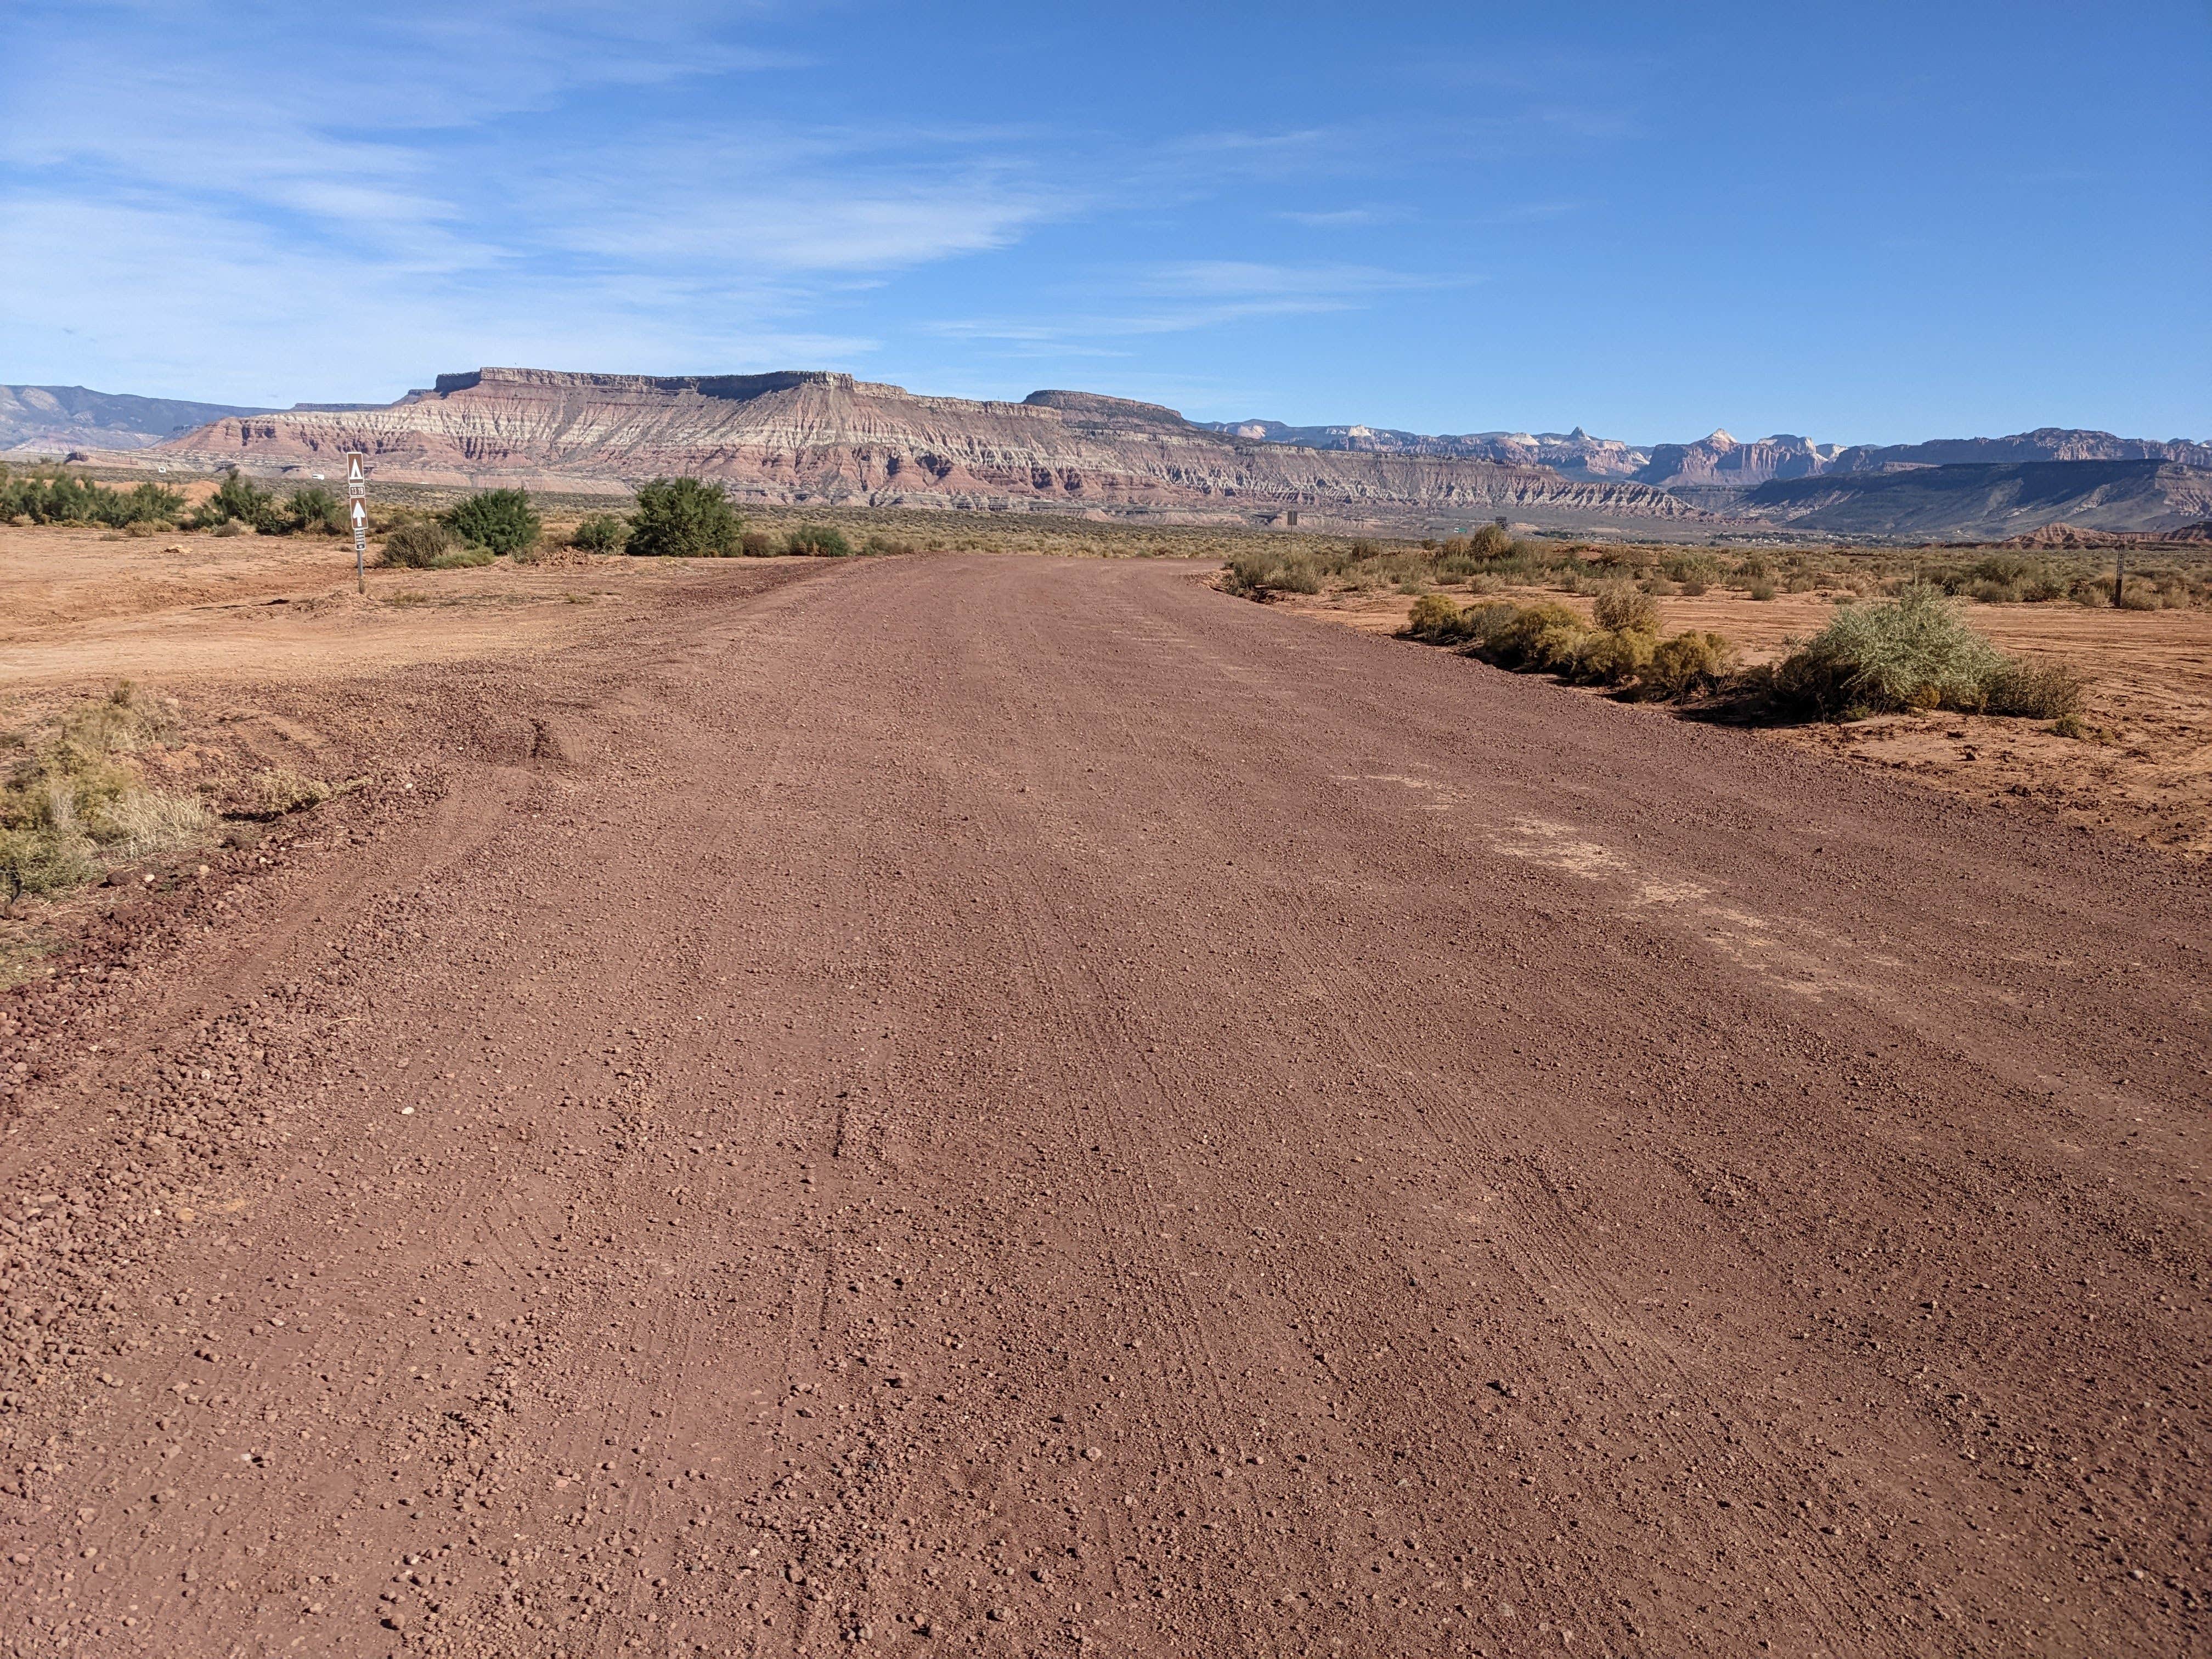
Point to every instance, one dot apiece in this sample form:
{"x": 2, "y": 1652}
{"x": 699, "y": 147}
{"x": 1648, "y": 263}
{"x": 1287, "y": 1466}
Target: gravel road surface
{"x": 1028, "y": 1107}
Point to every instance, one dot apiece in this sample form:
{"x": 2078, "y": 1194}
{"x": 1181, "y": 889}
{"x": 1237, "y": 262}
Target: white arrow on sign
{"x": 360, "y": 512}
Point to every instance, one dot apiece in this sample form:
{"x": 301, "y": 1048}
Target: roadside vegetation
{"x": 75, "y": 801}
{"x": 1492, "y": 559}
{"x": 496, "y": 520}
{"x": 1914, "y": 652}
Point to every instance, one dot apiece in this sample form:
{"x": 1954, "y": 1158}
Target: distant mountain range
{"x": 1720, "y": 458}
{"x": 806, "y": 436}
{"x": 55, "y": 419}
{"x": 63, "y": 417}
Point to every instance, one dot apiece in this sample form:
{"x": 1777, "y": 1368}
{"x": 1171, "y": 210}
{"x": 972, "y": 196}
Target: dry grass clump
{"x": 1917, "y": 650}
{"x": 73, "y": 800}
{"x": 276, "y": 790}
{"x": 1263, "y": 571}
{"x": 2039, "y": 691}
{"x": 419, "y": 544}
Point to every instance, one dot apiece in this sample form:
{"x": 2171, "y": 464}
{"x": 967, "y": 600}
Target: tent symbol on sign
{"x": 353, "y": 469}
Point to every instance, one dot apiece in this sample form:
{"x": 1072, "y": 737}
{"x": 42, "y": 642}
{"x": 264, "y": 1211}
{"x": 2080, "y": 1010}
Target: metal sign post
{"x": 357, "y": 500}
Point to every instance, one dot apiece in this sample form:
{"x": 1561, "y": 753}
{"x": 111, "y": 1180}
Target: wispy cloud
{"x": 1192, "y": 294}
{"x": 242, "y": 182}
{"x": 1345, "y": 218}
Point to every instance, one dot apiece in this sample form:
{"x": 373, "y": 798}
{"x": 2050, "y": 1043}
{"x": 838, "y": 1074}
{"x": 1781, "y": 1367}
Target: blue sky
{"x": 1862, "y": 222}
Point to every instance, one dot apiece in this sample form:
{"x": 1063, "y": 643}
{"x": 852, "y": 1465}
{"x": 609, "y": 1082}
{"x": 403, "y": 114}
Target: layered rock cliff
{"x": 798, "y": 437}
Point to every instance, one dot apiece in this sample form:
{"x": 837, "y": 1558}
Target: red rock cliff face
{"x": 799, "y": 437}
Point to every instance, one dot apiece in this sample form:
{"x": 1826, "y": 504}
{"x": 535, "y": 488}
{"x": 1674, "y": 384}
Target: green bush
{"x": 1913, "y": 652}
{"x": 683, "y": 518}
{"x": 71, "y": 498}
{"x": 817, "y": 541}
{"x": 1623, "y": 607}
{"x": 419, "y": 544}
{"x": 757, "y": 545}
{"x": 501, "y": 520}
{"x": 314, "y": 511}
{"x": 237, "y": 499}
{"x": 603, "y": 532}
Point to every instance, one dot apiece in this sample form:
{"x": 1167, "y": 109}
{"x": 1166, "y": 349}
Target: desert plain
{"x": 969, "y": 1101}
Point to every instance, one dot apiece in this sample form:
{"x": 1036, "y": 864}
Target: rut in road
{"x": 1004, "y": 1105}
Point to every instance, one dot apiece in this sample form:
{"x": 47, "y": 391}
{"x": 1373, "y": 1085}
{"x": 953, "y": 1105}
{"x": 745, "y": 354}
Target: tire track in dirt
{"x": 905, "y": 992}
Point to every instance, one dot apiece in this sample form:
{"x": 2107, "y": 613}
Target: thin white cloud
{"x": 1193, "y": 294}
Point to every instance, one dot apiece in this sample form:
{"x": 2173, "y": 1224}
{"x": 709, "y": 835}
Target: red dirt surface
{"x": 1021, "y": 1107}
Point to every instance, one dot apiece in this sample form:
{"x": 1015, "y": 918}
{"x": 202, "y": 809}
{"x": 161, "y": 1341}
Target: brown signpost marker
{"x": 357, "y": 504}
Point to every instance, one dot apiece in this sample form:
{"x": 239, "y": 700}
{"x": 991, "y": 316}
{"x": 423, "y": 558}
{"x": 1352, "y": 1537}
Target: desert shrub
{"x": 1913, "y": 652}
{"x": 1621, "y": 605}
{"x": 1760, "y": 587}
{"x": 1689, "y": 662}
{"x": 2044, "y": 587}
{"x": 237, "y": 499}
{"x": 2008, "y": 570}
{"x": 817, "y": 541}
{"x": 1612, "y": 656}
{"x": 603, "y": 532}
{"x": 1658, "y": 587}
{"x": 887, "y": 547}
{"x": 1479, "y": 624}
{"x": 1255, "y": 574}
{"x": 313, "y": 511}
{"x": 501, "y": 520}
{"x": 683, "y": 518}
{"x": 1435, "y": 618}
{"x": 419, "y": 544}
{"x": 1491, "y": 541}
{"x": 757, "y": 545}
{"x": 1989, "y": 592}
{"x": 1693, "y": 585}
{"x": 463, "y": 558}
{"x": 1545, "y": 635}
{"x": 72, "y": 498}
{"x": 2042, "y": 691}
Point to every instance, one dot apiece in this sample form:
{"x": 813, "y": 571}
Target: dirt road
{"x": 1026, "y": 1107}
